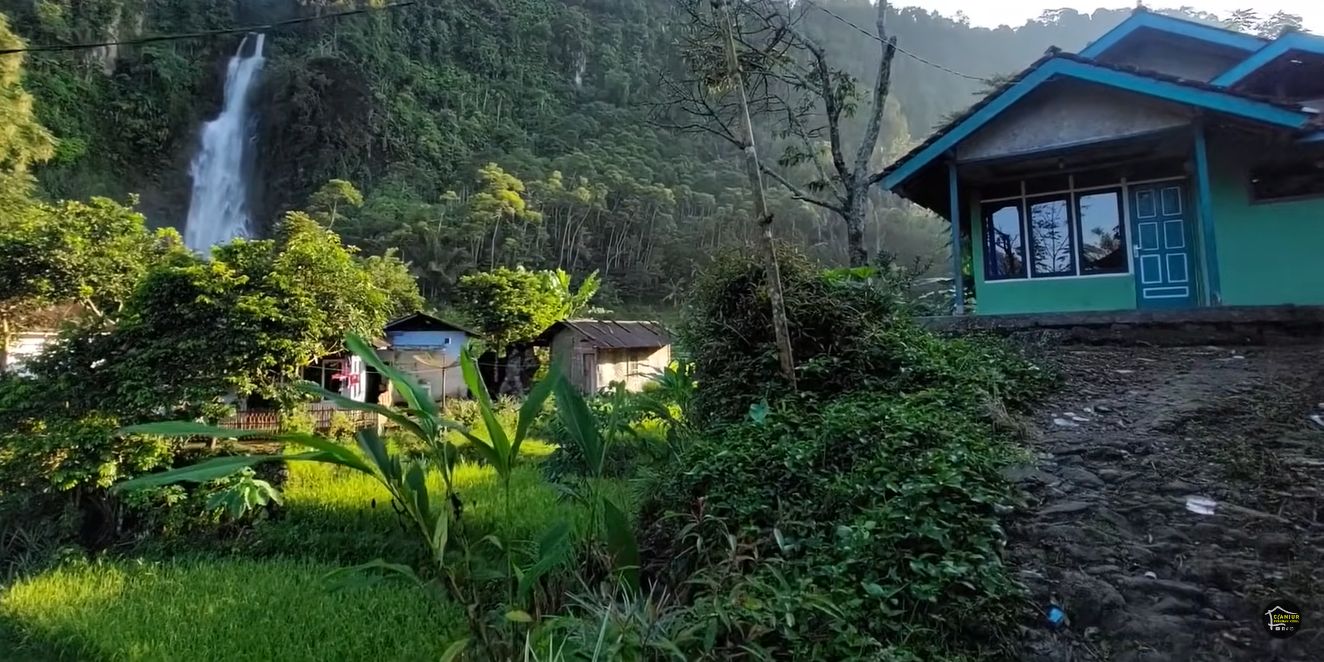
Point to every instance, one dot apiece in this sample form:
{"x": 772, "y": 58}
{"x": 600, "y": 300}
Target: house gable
{"x": 1059, "y": 66}
{"x": 1069, "y": 113}
{"x": 1292, "y": 67}
{"x": 1144, "y": 25}
{"x": 1174, "y": 55}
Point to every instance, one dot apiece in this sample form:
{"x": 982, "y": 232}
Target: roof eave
{"x": 1292, "y": 41}
{"x": 1142, "y": 20}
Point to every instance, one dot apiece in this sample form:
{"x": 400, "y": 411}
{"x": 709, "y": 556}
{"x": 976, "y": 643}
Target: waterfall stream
{"x": 218, "y": 210}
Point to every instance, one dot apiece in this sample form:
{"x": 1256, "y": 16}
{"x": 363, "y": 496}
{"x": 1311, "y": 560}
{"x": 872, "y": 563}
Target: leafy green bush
{"x": 886, "y": 509}
{"x": 847, "y": 335}
{"x": 856, "y": 517}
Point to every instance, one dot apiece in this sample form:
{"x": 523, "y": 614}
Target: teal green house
{"x": 1168, "y": 165}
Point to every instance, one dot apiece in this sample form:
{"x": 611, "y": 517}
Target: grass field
{"x": 270, "y": 594}
{"x": 221, "y": 609}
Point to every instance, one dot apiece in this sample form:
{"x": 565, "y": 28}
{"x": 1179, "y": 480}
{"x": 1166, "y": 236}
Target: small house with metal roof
{"x": 427, "y": 348}
{"x": 1169, "y": 165}
{"x": 596, "y": 353}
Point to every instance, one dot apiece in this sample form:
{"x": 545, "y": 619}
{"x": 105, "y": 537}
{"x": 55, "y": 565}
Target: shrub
{"x": 856, "y": 517}
{"x": 847, "y": 335}
{"x": 885, "y": 508}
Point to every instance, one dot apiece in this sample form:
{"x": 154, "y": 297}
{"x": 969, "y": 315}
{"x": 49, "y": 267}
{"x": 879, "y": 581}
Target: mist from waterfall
{"x": 218, "y": 210}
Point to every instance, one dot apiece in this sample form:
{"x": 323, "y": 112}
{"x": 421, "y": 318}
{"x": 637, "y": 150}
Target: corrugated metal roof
{"x": 614, "y": 334}
{"x": 426, "y": 320}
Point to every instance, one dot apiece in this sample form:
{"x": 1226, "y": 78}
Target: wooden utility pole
{"x": 764, "y": 218}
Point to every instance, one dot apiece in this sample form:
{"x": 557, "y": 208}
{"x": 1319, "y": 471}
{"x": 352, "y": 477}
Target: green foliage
{"x": 848, "y": 334}
{"x": 435, "y": 519}
{"x": 856, "y": 518}
{"x": 281, "y": 607}
{"x": 244, "y": 495}
{"x": 25, "y": 142}
{"x": 328, "y": 200}
{"x": 91, "y": 254}
{"x": 40, "y": 451}
{"x": 516, "y": 305}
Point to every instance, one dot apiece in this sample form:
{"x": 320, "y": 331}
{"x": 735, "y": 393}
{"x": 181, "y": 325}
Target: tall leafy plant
{"x": 434, "y": 518}
{"x": 595, "y": 439}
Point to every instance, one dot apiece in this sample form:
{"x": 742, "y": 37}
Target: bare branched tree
{"x": 792, "y": 88}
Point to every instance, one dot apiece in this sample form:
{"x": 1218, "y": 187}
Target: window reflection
{"x": 1050, "y": 235}
{"x": 1004, "y": 242}
{"x": 1102, "y": 237}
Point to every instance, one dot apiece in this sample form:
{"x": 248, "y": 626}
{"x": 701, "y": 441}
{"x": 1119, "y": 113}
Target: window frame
{"x": 1068, "y": 200}
{"x": 1072, "y": 193}
{"x": 1257, "y": 200}
{"x": 1025, "y": 265}
{"x": 1124, "y": 218}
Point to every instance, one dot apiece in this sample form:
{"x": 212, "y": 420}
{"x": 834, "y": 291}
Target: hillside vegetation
{"x": 427, "y": 108}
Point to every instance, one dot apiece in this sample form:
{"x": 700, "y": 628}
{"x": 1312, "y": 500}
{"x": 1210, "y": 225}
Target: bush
{"x": 847, "y": 335}
{"x": 856, "y": 517}
{"x": 885, "y": 508}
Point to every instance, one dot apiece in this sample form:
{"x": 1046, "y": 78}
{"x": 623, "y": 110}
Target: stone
{"x": 1169, "y": 534}
{"x": 1081, "y": 477}
{"x": 1173, "y": 587}
{"x": 1116, "y": 475}
{"x": 1275, "y": 546}
{"x": 1065, "y": 507}
{"x": 1088, "y": 601}
{"x": 1064, "y": 423}
{"x": 1178, "y": 486}
{"x": 1174, "y": 606}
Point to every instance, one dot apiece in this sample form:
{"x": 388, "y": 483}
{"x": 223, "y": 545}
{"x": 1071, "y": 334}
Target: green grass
{"x": 219, "y": 609}
{"x": 267, "y": 599}
{"x": 335, "y": 514}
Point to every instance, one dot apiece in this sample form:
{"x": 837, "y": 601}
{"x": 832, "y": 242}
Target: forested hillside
{"x": 480, "y": 132}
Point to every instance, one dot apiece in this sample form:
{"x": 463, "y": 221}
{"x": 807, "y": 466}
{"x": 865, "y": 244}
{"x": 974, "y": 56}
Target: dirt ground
{"x": 1110, "y": 534}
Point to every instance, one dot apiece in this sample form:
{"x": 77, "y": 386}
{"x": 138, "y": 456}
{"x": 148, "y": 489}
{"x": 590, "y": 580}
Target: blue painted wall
{"x": 449, "y": 342}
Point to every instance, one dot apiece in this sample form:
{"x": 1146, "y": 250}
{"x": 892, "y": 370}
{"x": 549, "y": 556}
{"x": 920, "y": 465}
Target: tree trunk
{"x": 780, "y": 326}
{"x": 4, "y": 345}
{"x": 521, "y": 364}
{"x": 855, "y": 213}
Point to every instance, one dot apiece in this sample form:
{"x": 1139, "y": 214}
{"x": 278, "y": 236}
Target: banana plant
{"x": 404, "y": 477}
{"x": 595, "y": 439}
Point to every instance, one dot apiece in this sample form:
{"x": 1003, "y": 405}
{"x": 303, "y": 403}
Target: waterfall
{"x": 218, "y": 210}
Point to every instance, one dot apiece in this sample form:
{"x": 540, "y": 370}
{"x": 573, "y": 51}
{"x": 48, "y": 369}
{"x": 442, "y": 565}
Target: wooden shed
{"x": 596, "y": 353}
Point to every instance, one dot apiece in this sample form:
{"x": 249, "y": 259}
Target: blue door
{"x": 1161, "y": 246}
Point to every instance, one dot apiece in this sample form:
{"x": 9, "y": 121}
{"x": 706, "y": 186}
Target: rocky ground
{"x": 1111, "y": 532}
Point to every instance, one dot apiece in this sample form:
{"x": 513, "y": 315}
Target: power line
{"x": 209, "y": 33}
{"x": 899, "y": 49}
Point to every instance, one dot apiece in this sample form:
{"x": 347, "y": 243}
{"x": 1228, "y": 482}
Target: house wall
{"x": 437, "y": 370}
{"x": 1044, "y": 295}
{"x": 634, "y": 367}
{"x": 449, "y": 341}
{"x": 1070, "y": 113}
{"x": 1268, "y": 253}
{"x": 1175, "y": 58}
{"x": 25, "y": 347}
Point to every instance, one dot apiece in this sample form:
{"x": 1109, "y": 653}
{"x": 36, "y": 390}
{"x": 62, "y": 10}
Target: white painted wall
{"x": 25, "y": 347}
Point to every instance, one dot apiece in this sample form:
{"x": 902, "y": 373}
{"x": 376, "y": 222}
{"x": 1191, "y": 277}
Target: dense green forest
{"x": 482, "y": 132}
